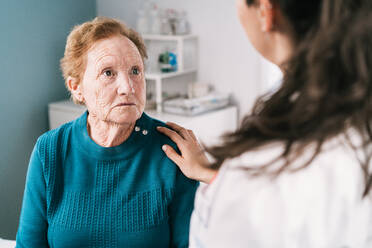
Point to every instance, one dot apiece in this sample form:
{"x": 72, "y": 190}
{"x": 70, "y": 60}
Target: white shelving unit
{"x": 179, "y": 43}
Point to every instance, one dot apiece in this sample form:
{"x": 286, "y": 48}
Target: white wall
{"x": 226, "y": 59}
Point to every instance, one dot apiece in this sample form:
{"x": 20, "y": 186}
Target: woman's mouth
{"x": 125, "y": 104}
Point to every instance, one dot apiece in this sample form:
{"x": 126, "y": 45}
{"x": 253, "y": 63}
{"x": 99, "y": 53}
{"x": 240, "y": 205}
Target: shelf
{"x": 159, "y": 76}
{"x": 168, "y": 37}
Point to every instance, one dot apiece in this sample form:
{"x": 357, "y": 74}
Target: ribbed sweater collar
{"x": 136, "y": 141}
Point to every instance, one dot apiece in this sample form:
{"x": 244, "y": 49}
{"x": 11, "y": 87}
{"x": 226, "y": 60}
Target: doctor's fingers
{"x": 192, "y": 135}
{"x": 172, "y": 154}
{"x": 173, "y": 135}
{"x": 181, "y": 130}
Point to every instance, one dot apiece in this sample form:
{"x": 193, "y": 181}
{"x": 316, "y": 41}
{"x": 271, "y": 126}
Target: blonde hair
{"x": 83, "y": 37}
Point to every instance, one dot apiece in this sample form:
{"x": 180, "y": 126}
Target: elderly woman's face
{"x": 113, "y": 84}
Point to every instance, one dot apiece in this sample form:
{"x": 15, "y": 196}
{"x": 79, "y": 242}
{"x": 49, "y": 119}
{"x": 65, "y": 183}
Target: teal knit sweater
{"x": 79, "y": 194}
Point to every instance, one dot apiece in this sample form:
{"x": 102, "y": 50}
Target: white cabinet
{"x": 208, "y": 127}
{"x": 186, "y": 48}
{"x": 63, "y": 112}
{"x": 7, "y": 243}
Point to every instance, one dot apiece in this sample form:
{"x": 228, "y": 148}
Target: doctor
{"x": 297, "y": 173}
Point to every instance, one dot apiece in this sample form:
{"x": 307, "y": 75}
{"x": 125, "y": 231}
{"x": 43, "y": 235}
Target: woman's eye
{"x": 108, "y": 73}
{"x": 135, "y": 71}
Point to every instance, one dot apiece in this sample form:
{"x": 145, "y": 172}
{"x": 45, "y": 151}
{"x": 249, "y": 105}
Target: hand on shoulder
{"x": 192, "y": 161}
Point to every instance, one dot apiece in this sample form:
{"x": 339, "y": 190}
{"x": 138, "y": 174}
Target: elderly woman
{"x": 102, "y": 180}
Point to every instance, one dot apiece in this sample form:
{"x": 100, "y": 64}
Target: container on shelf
{"x": 168, "y": 62}
{"x": 155, "y": 26}
{"x": 142, "y": 22}
{"x": 196, "y": 106}
{"x": 183, "y": 25}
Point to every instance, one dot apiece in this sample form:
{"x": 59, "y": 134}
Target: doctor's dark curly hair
{"x": 326, "y": 89}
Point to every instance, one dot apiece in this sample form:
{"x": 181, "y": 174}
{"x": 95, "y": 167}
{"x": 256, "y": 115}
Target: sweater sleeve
{"x": 180, "y": 210}
{"x": 33, "y": 226}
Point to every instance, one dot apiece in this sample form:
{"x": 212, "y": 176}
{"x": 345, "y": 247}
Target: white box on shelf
{"x": 196, "y": 106}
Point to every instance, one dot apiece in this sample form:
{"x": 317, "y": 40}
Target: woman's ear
{"x": 75, "y": 88}
{"x": 266, "y": 15}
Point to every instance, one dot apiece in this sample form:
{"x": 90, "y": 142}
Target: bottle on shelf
{"x": 166, "y": 28}
{"x": 172, "y": 16}
{"x": 142, "y": 22}
{"x": 156, "y": 23}
{"x": 183, "y": 26}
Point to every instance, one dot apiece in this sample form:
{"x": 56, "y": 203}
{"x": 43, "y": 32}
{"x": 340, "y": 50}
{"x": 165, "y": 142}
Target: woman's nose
{"x": 125, "y": 84}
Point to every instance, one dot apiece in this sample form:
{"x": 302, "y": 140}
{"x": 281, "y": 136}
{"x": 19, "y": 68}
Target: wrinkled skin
{"x": 113, "y": 89}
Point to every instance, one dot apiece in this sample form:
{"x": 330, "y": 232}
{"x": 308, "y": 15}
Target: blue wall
{"x": 32, "y": 40}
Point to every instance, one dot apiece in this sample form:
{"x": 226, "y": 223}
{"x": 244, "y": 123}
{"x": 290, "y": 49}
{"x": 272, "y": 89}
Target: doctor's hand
{"x": 192, "y": 161}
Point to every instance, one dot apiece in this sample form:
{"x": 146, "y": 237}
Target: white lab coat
{"x": 319, "y": 206}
